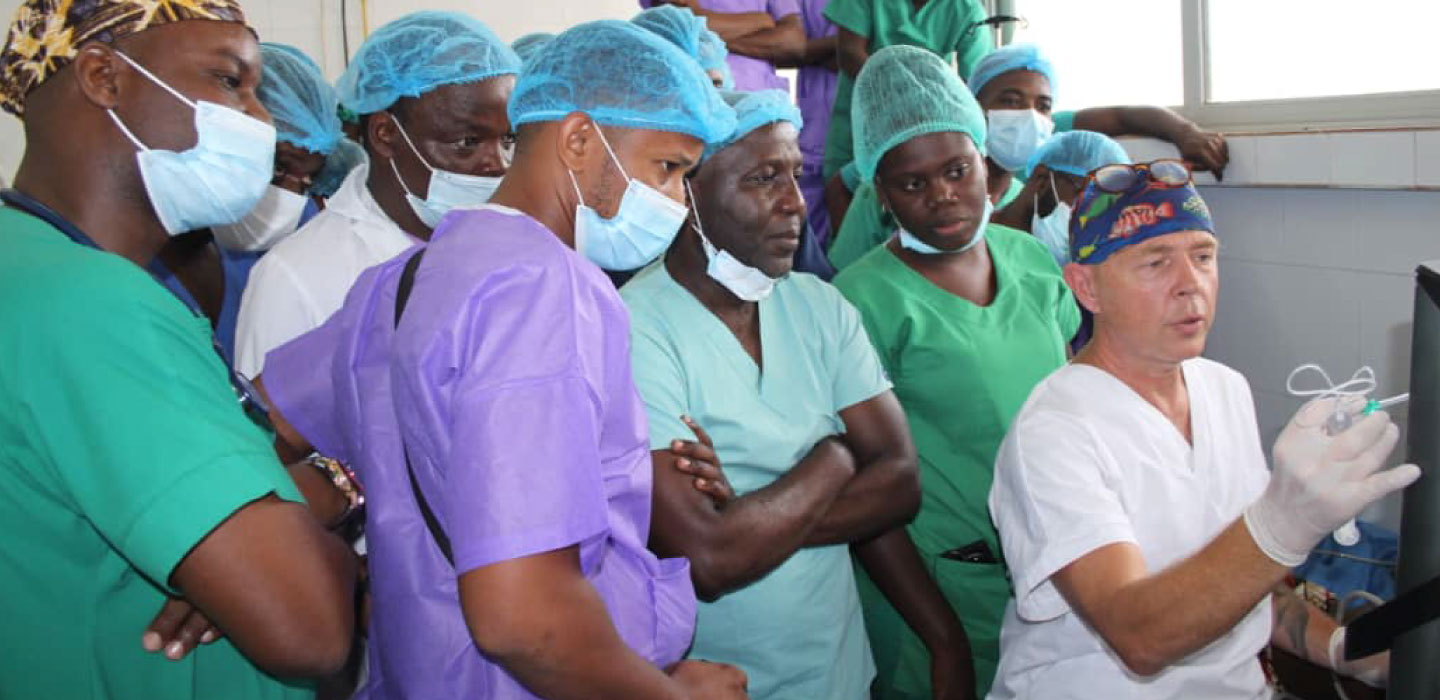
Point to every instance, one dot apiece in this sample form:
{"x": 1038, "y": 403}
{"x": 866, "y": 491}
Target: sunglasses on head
{"x": 1121, "y": 177}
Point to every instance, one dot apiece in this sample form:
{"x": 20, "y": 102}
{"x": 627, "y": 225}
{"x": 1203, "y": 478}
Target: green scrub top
{"x": 961, "y": 372}
{"x": 942, "y": 26}
{"x": 122, "y": 446}
{"x": 866, "y": 225}
{"x": 798, "y": 632}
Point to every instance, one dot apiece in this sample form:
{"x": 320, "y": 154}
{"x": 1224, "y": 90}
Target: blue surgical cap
{"x": 754, "y": 110}
{"x": 620, "y": 75}
{"x": 903, "y": 92}
{"x": 338, "y": 164}
{"x": 1077, "y": 153}
{"x": 690, "y": 32}
{"x": 527, "y": 45}
{"x": 299, "y": 99}
{"x": 1008, "y": 58}
{"x": 418, "y": 53}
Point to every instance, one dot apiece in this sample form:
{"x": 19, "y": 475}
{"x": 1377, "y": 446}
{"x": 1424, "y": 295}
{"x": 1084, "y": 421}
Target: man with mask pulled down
{"x": 779, "y": 366}
{"x": 431, "y": 90}
{"x": 482, "y": 389}
{"x": 136, "y": 482}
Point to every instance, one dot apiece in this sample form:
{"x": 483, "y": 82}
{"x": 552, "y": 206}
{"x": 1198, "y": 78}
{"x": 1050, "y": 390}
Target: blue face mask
{"x": 1013, "y": 135}
{"x": 909, "y": 242}
{"x": 640, "y": 231}
{"x": 215, "y": 182}
{"x": 447, "y": 190}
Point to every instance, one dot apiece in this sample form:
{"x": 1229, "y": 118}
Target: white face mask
{"x": 747, "y": 283}
{"x": 910, "y": 242}
{"x": 1053, "y": 230}
{"x": 275, "y": 217}
{"x": 447, "y": 190}
{"x": 1013, "y": 135}
{"x": 642, "y": 228}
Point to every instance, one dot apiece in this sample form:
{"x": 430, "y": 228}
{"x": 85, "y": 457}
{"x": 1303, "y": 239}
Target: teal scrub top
{"x": 798, "y": 632}
{"x": 866, "y": 225}
{"x": 945, "y": 27}
{"x": 122, "y": 446}
{"x": 961, "y": 372}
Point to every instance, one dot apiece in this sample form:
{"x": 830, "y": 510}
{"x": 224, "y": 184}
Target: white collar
{"x": 354, "y": 201}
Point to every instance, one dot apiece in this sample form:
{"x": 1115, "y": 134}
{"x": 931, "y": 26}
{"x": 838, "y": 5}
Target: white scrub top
{"x": 798, "y": 632}
{"x": 1088, "y": 463}
{"x": 304, "y": 278}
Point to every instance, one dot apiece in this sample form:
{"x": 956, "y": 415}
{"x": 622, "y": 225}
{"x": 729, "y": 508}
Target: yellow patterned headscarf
{"x": 46, "y": 34}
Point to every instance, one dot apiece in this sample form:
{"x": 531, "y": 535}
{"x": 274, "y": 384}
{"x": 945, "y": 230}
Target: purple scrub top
{"x": 750, "y": 73}
{"x": 815, "y": 86}
{"x": 510, "y": 379}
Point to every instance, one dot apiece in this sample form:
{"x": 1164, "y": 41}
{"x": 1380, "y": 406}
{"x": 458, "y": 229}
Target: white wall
{"x": 314, "y": 27}
{"x": 1320, "y": 236}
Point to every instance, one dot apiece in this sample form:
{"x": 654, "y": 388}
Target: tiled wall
{"x": 1322, "y": 276}
{"x": 1322, "y": 273}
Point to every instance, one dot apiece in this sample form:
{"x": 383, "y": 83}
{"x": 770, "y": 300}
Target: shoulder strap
{"x": 402, "y": 296}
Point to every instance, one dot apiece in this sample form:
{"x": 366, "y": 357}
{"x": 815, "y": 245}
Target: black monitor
{"x": 1415, "y": 663}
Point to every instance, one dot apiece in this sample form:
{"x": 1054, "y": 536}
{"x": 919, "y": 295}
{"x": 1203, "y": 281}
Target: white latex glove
{"x": 1373, "y": 671}
{"x": 1319, "y": 482}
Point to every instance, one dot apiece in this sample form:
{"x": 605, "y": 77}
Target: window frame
{"x": 1391, "y": 110}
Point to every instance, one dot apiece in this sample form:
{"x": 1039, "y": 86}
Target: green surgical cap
{"x": 904, "y": 92}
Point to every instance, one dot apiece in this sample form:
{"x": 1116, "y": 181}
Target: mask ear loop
{"x": 710, "y": 249}
{"x": 576, "y": 183}
{"x": 401, "y": 128}
{"x": 145, "y": 72}
{"x": 606, "y": 142}
{"x": 151, "y": 77}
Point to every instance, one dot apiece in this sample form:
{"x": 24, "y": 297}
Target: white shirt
{"x": 1087, "y": 463}
{"x": 304, "y": 278}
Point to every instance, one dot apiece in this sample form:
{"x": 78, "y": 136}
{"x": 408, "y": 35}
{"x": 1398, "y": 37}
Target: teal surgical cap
{"x": 1077, "y": 153}
{"x": 527, "y": 45}
{"x": 690, "y": 32}
{"x": 903, "y": 92}
{"x": 418, "y": 53}
{"x": 300, "y": 101}
{"x": 1008, "y": 58}
{"x": 754, "y": 110}
{"x": 620, "y": 75}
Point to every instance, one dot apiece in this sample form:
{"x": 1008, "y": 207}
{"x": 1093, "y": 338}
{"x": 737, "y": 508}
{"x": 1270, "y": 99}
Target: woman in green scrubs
{"x": 966, "y": 316}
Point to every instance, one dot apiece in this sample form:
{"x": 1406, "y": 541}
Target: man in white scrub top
{"x": 431, "y": 90}
{"x": 1147, "y": 540}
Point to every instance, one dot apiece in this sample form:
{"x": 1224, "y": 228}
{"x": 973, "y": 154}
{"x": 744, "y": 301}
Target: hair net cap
{"x": 620, "y": 75}
{"x": 903, "y": 92}
{"x": 692, "y": 34}
{"x": 346, "y": 156}
{"x": 1008, "y": 58}
{"x": 754, "y": 110}
{"x": 527, "y": 45}
{"x": 299, "y": 100}
{"x": 1077, "y": 153}
{"x": 418, "y": 53}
